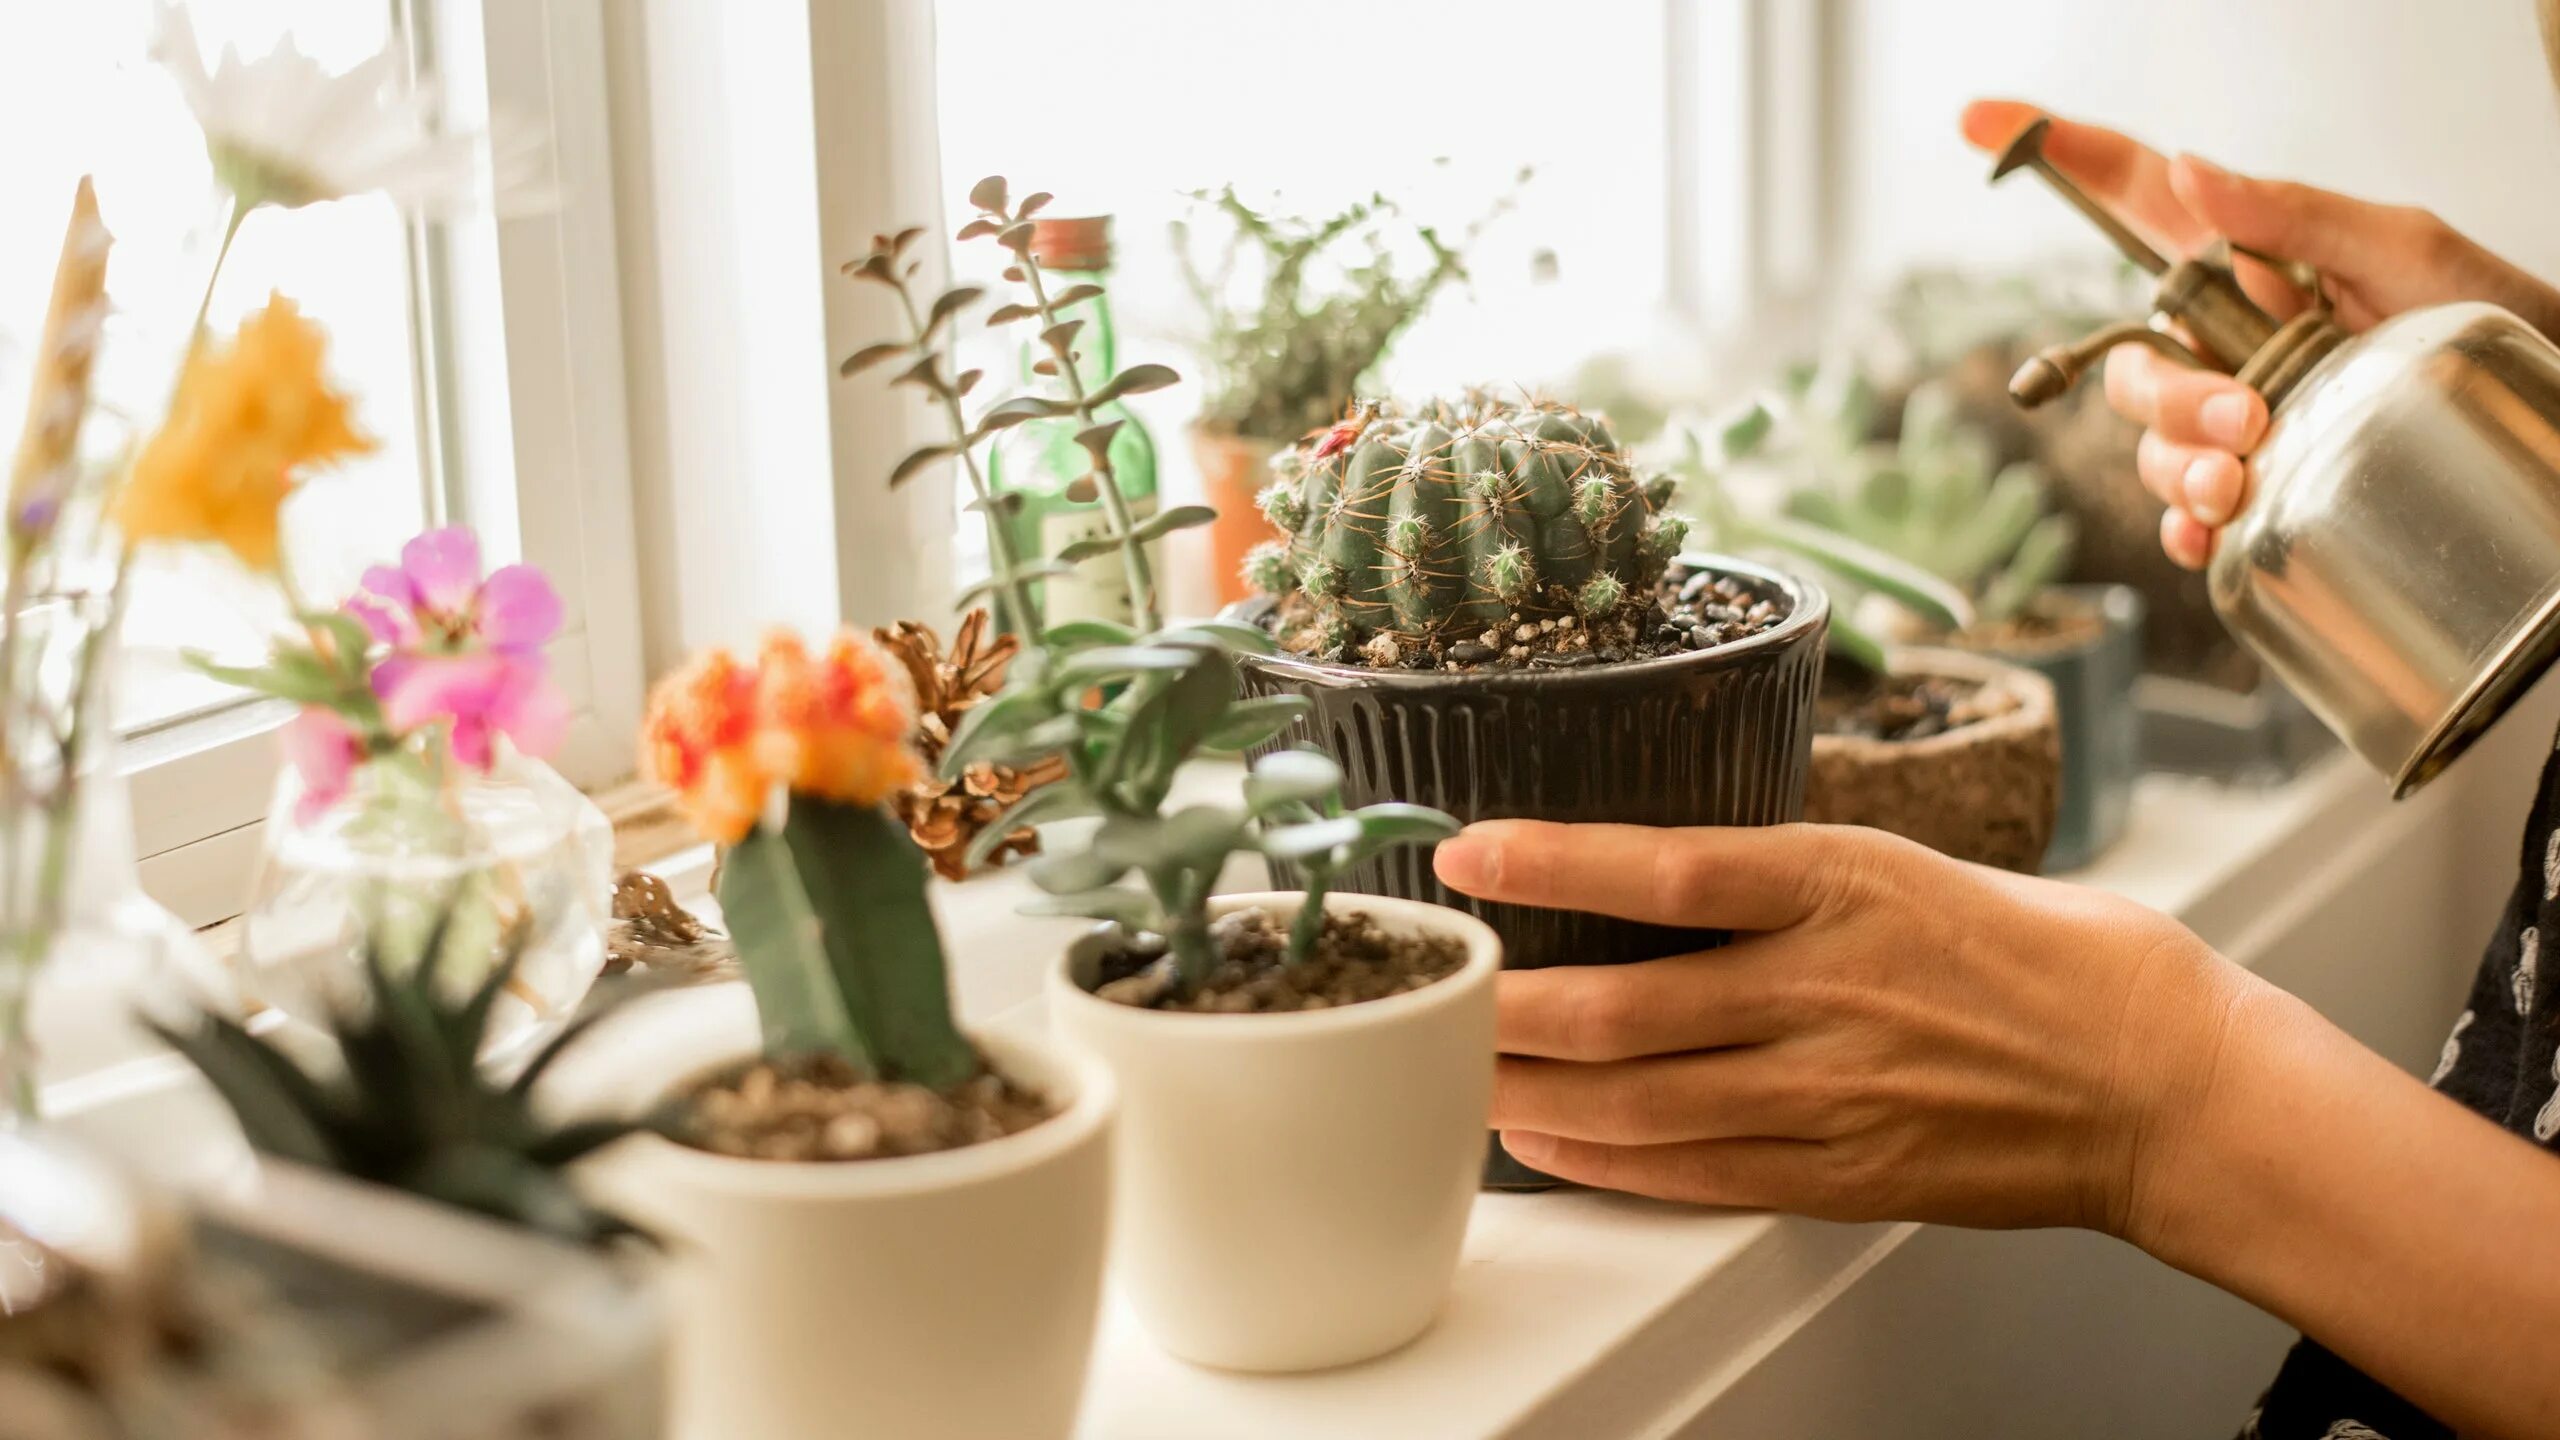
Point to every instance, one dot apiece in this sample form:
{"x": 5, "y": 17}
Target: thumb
{"x": 2353, "y": 240}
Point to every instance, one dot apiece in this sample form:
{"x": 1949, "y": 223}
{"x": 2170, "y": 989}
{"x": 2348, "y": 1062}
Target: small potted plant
{"x": 402, "y": 1189}
{"x": 1311, "y": 1070}
{"x": 2206, "y": 706}
{"x": 882, "y": 1215}
{"x": 1937, "y": 499}
{"x": 1294, "y": 310}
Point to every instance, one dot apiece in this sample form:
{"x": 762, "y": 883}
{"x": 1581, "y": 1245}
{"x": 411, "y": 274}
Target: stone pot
{"x": 1985, "y": 792}
{"x": 1294, "y": 1188}
{"x": 945, "y": 1294}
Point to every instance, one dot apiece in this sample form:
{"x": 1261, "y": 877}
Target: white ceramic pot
{"x": 1294, "y": 1188}
{"x": 907, "y": 1299}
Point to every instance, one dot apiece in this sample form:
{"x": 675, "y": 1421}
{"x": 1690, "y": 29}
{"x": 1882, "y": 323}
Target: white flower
{"x": 284, "y": 132}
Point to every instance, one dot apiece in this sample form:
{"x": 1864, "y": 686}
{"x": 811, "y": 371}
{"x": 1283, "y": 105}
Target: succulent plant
{"x": 1170, "y": 695}
{"x": 408, "y": 1106}
{"x": 1327, "y": 297}
{"x": 1929, "y": 519}
{"x": 1461, "y": 514}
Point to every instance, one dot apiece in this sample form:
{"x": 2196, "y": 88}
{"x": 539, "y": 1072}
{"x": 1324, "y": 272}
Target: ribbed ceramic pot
{"x": 1712, "y": 737}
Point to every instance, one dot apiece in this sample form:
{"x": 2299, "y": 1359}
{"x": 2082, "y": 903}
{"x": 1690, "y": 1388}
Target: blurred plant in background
{"x": 1296, "y": 309}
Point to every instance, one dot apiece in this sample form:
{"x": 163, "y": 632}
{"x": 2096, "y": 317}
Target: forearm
{"x": 2412, "y": 1237}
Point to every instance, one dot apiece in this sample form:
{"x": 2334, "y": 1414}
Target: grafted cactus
{"x": 1459, "y": 515}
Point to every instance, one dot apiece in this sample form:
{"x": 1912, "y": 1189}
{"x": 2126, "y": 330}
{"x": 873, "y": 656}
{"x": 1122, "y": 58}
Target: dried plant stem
{"x": 1016, "y": 612}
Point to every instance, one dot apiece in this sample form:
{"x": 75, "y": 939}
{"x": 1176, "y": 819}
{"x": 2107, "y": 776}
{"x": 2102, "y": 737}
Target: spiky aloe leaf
{"x": 2038, "y": 562}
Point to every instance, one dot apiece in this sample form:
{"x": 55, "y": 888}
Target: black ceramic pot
{"x": 1715, "y": 737}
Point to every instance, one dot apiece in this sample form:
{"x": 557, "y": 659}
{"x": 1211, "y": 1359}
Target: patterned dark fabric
{"x": 2502, "y": 1060}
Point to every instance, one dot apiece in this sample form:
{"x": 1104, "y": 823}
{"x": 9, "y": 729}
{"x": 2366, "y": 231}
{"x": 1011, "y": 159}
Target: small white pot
{"x": 923, "y": 1296}
{"x": 1294, "y": 1187}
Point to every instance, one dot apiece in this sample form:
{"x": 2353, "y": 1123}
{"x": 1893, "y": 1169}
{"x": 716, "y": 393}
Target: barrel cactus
{"x": 1460, "y": 515}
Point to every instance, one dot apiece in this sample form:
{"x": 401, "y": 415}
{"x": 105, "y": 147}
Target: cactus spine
{"x": 1462, "y": 514}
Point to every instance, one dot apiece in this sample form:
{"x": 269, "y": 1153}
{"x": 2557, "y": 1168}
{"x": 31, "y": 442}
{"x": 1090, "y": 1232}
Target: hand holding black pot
{"x": 1908, "y": 1037}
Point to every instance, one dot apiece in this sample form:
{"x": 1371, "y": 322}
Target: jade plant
{"x": 1461, "y": 514}
{"x": 1124, "y": 707}
{"x": 408, "y": 1106}
{"x": 1297, "y": 309}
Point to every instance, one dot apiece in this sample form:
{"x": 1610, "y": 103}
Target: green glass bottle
{"x": 1041, "y": 459}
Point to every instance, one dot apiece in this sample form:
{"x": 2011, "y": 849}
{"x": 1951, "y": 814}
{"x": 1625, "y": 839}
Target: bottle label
{"x": 1099, "y": 588}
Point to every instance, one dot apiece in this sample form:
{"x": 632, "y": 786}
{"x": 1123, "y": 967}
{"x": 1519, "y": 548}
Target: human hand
{"x": 1908, "y": 1036}
{"x": 2377, "y": 260}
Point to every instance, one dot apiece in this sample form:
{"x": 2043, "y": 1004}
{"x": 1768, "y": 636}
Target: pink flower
{"x": 464, "y": 649}
{"x": 485, "y": 694}
{"x": 323, "y": 750}
{"x": 436, "y": 597}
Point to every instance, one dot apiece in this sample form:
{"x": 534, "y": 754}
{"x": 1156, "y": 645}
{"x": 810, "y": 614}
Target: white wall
{"x": 2444, "y": 103}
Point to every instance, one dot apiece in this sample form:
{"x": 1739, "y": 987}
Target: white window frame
{"x": 522, "y": 404}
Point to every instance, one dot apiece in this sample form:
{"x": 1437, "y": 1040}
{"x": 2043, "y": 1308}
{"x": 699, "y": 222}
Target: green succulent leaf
{"x": 1073, "y": 634}
{"x": 1301, "y": 777}
{"x": 1179, "y": 517}
{"x": 947, "y": 304}
{"x": 1041, "y": 806}
{"x": 1107, "y": 664}
{"x": 1136, "y": 380}
{"x": 917, "y": 459}
{"x": 1132, "y": 910}
{"x": 1311, "y": 838}
{"x": 1248, "y": 723}
{"x": 1071, "y": 871}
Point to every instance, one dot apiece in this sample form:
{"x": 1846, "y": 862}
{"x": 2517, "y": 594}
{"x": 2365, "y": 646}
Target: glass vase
{"x": 85, "y": 956}
{"x": 478, "y": 866}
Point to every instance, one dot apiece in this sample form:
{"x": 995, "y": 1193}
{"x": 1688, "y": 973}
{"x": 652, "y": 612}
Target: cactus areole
{"x": 1442, "y": 530}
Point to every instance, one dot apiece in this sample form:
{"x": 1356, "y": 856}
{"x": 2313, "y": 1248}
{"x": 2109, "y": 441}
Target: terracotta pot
{"x": 1985, "y": 792}
{"x": 1233, "y": 470}
{"x": 1294, "y": 1188}
{"x": 946, "y": 1294}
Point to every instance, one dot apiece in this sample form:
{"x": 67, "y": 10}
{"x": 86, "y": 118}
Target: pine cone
{"x": 945, "y": 816}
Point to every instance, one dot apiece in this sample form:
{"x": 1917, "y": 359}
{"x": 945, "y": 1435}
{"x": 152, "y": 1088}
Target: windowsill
{"x": 1584, "y": 1315}
{"x": 1587, "y": 1315}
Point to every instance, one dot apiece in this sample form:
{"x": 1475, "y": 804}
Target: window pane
{"x": 1122, "y": 108}
{"x": 78, "y": 75}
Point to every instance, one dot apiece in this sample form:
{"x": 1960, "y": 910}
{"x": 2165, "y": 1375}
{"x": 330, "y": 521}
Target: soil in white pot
{"x": 1353, "y": 960}
{"x": 1693, "y": 609}
{"x": 820, "y": 1107}
{"x": 1901, "y": 707}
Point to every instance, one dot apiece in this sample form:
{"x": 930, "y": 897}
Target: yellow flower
{"x": 246, "y": 417}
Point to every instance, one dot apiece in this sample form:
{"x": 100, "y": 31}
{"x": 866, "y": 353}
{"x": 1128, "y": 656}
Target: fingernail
{"x": 2229, "y": 418}
{"x": 1528, "y": 1146}
{"x": 2208, "y": 491}
{"x": 1465, "y": 862}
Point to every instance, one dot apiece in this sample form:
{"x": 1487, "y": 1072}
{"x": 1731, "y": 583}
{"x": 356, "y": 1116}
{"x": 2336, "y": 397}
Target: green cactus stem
{"x": 1455, "y": 515}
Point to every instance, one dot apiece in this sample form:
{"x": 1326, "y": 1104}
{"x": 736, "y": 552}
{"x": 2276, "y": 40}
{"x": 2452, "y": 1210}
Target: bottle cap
{"x": 1081, "y": 242}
